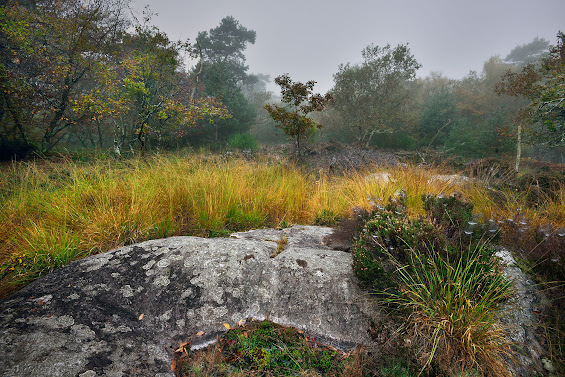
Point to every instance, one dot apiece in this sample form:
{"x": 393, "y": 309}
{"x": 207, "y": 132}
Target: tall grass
{"x": 453, "y": 310}
{"x": 53, "y": 212}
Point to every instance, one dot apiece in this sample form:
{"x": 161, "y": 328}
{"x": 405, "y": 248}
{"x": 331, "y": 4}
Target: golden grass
{"x": 54, "y": 212}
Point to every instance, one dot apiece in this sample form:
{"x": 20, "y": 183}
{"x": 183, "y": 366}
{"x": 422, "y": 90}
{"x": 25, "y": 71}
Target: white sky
{"x": 308, "y": 39}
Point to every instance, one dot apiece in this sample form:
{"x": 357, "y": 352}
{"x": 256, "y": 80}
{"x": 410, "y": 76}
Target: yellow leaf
{"x": 141, "y": 316}
{"x": 200, "y": 333}
{"x": 227, "y": 326}
{"x": 183, "y": 347}
{"x": 240, "y": 322}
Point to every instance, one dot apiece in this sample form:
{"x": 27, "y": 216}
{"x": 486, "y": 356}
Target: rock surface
{"x": 122, "y": 313}
{"x": 521, "y": 320}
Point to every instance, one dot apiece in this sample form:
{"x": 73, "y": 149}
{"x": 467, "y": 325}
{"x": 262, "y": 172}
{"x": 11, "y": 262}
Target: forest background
{"x": 79, "y": 75}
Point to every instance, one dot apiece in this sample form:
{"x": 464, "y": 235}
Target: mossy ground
{"x": 263, "y": 348}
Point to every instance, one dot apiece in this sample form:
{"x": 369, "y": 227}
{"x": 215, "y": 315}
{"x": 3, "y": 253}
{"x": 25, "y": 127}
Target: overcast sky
{"x": 308, "y": 39}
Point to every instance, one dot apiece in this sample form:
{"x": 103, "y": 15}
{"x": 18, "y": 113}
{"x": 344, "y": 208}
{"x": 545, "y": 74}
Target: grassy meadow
{"x": 56, "y": 211}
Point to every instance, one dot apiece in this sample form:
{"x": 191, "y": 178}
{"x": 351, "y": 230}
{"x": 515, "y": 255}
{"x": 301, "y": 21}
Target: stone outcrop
{"x": 521, "y": 319}
{"x": 122, "y": 313}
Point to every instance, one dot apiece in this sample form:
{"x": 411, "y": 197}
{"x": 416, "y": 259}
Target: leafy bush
{"x": 450, "y": 213}
{"x": 397, "y": 140}
{"x": 388, "y": 231}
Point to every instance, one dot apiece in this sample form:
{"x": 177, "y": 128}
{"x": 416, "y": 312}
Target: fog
{"x": 309, "y": 39}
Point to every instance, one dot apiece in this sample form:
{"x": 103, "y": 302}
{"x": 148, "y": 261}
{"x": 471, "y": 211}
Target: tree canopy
{"x": 222, "y": 72}
{"x": 528, "y": 53}
{"x": 544, "y": 86}
{"x": 371, "y": 97}
{"x": 72, "y": 70}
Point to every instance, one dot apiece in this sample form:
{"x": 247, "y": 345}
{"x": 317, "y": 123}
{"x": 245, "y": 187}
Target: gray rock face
{"x": 122, "y": 313}
{"x": 521, "y": 320}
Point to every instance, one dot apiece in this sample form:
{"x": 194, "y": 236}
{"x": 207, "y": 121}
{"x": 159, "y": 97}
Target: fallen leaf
{"x": 182, "y": 347}
{"x": 227, "y": 326}
{"x": 200, "y": 333}
{"x": 173, "y": 365}
{"x": 245, "y": 334}
{"x": 141, "y": 316}
{"x": 240, "y": 322}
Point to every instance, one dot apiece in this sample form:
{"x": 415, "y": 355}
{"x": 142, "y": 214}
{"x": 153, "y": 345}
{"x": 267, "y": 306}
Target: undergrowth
{"x": 263, "y": 348}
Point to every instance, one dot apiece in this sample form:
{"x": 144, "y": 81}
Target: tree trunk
{"x": 99, "y": 135}
{"x": 141, "y": 139}
{"x": 518, "y": 147}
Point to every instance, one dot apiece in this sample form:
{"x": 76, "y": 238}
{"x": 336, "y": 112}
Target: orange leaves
{"x": 238, "y": 324}
{"x": 183, "y": 347}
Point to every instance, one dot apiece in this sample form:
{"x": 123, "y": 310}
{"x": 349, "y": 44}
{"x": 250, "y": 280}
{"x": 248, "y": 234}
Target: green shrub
{"x": 243, "y": 142}
{"x": 451, "y": 212}
{"x": 446, "y": 281}
{"x": 388, "y": 231}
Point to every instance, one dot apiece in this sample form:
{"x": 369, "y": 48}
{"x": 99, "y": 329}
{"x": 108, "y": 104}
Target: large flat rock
{"x": 122, "y": 313}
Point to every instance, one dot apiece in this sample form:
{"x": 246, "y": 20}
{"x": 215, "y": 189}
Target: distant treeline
{"x": 79, "y": 74}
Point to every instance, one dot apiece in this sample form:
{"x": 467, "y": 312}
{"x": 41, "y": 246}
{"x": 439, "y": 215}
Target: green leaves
{"x": 544, "y": 85}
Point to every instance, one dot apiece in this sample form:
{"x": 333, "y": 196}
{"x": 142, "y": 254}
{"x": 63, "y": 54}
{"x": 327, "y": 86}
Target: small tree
{"x": 298, "y": 101}
{"x": 543, "y": 84}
